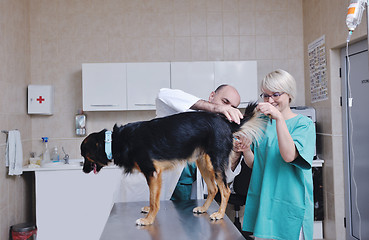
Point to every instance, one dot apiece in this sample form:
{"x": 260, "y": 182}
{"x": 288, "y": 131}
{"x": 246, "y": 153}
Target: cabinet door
{"x": 143, "y": 83}
{"x": 104, "y": 86}
{"x": 240, "y": 74}
{"x": 196, "y": 78}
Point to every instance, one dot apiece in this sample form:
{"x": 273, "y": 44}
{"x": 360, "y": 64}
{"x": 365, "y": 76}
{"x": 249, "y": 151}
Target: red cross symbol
{"x": 40, "y": 99}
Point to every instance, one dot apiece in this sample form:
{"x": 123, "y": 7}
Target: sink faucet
{"x": 66, "y": 156}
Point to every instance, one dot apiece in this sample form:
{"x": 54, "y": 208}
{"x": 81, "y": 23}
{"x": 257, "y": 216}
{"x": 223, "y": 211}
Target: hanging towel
{"x": 14, "y": 153}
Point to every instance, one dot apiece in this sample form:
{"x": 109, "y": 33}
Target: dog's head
{"x": 93, "y": 151}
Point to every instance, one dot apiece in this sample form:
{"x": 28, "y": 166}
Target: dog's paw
{"x": 143, "y": 222}
{"x": 216, "y": 216}
{"x": 199, "y": 210}
{"x": 145, "y": 209}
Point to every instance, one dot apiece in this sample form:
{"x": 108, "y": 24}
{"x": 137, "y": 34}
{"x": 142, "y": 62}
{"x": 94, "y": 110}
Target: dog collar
{"x": 108, "y": 141}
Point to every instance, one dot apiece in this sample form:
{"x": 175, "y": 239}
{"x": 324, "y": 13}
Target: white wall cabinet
{"x": 240, "y": 74}
{"x": 104, "y": 86}
{"x": 201, "y": 78}
{"x": 196, "y": 78}
{"x": 134, "y": 86}
{"x": 143, "y": 83}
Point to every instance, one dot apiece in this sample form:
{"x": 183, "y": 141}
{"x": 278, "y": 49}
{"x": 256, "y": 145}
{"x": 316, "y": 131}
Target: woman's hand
{"x": 241, "y": 146}
{"x": 269, "y": 110}
{"x": 241, "y": 143}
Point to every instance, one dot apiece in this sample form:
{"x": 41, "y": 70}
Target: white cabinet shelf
{"x": 240, "y": 74}
{"x": 104, "y": 86}
{"x": 144, "y": 81}
{"x": 196, "y": 78}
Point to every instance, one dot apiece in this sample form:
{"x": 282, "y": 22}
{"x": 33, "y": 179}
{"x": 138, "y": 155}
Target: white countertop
{"x": 75, "y": 164}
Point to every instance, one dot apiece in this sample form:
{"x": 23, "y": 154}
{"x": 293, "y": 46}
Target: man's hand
{"x": 231, "y": 113}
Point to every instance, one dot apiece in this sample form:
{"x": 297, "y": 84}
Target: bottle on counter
{"x": 34, "y": 161}
{"x": 46, "y": 153}
{"x": 55, "y": 155}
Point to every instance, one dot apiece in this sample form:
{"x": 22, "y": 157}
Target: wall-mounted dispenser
{"x": 80, "y": 123}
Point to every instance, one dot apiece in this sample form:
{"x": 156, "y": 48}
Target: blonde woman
{"x": 280, "y": 197}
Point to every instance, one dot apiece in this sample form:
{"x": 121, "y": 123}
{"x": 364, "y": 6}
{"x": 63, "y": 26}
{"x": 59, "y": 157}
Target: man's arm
{"x": 172, "y": 101}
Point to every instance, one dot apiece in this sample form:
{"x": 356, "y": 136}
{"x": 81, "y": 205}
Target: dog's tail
{"x": 253, "y": 123}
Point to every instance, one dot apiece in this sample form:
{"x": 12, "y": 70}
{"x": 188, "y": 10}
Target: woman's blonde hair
{"x": 279, "y": 81}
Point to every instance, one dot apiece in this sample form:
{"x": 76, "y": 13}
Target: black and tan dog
{"x": 157, "y": 145}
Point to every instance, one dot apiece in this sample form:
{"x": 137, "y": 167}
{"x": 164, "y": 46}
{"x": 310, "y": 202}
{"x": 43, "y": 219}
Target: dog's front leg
{"x": 154, "y": 183}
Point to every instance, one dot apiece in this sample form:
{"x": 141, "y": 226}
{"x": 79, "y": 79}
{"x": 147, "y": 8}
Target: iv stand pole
{"x": 367, "y": 23}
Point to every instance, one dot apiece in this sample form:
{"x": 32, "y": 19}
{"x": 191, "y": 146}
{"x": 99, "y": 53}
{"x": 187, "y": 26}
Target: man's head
{"x": 225, "y": 95}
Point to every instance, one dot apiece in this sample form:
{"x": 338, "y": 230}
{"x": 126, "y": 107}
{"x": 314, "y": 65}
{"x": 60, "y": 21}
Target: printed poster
{"x": 318, "y": 70}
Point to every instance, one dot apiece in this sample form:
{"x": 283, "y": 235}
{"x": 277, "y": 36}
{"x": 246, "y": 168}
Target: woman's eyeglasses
{"x": 274, "y": 96}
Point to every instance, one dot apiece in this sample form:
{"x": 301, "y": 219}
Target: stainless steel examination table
{"x": 175, "y": 220}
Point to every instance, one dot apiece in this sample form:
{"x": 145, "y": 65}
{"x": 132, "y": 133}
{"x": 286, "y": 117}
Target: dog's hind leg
{"x": 207, "y": 172}
{"x": 225, "y": 192}
{"x": 154, "y": 183}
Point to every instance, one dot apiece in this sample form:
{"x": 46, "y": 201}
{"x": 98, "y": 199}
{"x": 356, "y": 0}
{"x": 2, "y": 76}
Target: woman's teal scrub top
{"x": 280, "y": 196}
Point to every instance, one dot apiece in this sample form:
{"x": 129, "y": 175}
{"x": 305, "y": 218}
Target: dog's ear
{"x": 116, "y": 128}
{"x": 92, "y": 140}
{"x": 103, "y": 131}
{"x": 101, "y": 135}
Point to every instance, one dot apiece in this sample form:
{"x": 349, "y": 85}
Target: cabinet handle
{"x": 104, "y": 105}
{"x": 145, "y": 104}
